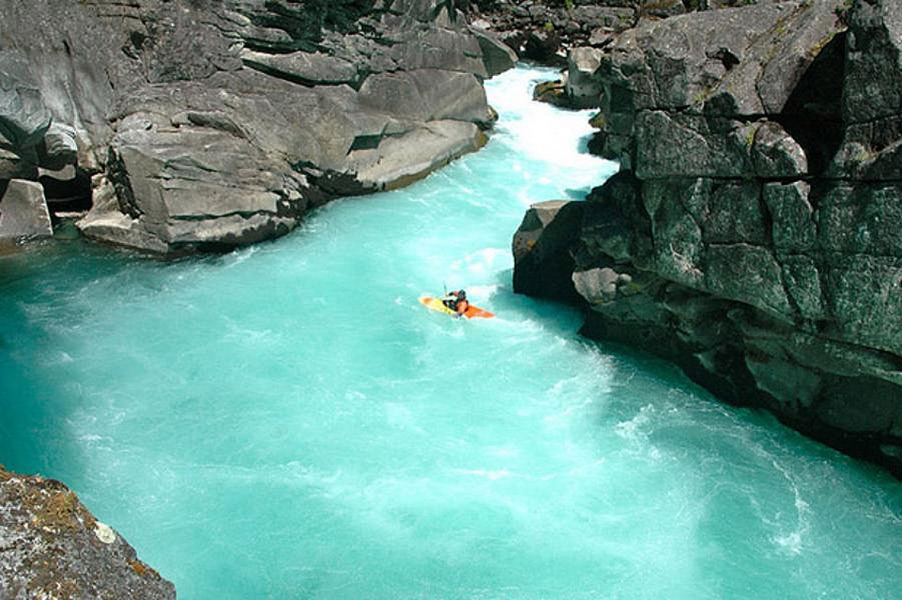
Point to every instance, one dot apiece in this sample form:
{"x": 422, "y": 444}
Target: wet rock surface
{"x": 755, "y": 215}
{"x": 221, "y": 124}
{"x": 51, "y": 546}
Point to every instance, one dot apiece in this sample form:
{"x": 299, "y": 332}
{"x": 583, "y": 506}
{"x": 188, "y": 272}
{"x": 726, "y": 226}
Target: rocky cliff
{"x": 194, "y": 124}
{"x": 52, "y": 547}
{"x": 546, "y": 30}
{"x": 752, "y": 234}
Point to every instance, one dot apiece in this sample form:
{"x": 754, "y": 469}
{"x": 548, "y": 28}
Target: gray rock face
{"x": 23, "y": 212}
{"x": 23, "y": 116}
{"x": 547, "y": 31}
{"x": 53, "y": 547}
{"x": 59, "y": 148}
{"x": 541, "y": 249}
{"x": 583, "y": 90}
{"x": 756, "y": 212}
{"x": 217, "y": 126}
{"x": 497, "y": 56}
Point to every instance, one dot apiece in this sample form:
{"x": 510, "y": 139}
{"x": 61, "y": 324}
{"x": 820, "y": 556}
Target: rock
{"x": 608, "y": 18}
{"x": 537, "y": 218}
{"x": 426, "y": 95}
{"x": 616, "y": 224}
{"x": 307, "y": 68}
{"x": 871, "y": 101}
{"x": 599, "y": 285}
{"x": 802, "y": 281}
{"x": 23, "y": 212}
{"x": 222, "y": 125}
{"x": 583, "y": 90}
{"x": 400, "y": 160}
{"x": 860, "y": 219}
{"x": 552, "y": 92}
{"x": 542, "y": 45}
{"x": 541, "y": 249}
{"x": 120, "y": 229}
{"x": 793, "y": 229}
{"x": 860, "y": 405}
{"x": 748, "y": 274}
{"x": 441, "y": 48}
{"x": 675, "y": 144}
{"x": 776, "y": 154}
{"x": 496, "y": 55}
{"x": 797, "y": 388}
{"x": 59, "y": 148}
{"x": 873, "y": 77}
{"x": 53, "y": 547}
{"x": 756, "y": 212}
{"x": 13, "y": 166}
{"x": 23, "y": 117}
{"x": 600, "y": 38}
{"x": 661, "y": 8}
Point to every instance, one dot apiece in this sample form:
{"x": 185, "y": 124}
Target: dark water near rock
{"x": 287, "y": 421}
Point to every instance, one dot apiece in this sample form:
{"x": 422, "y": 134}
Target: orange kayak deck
{"x": 471, "y": 312}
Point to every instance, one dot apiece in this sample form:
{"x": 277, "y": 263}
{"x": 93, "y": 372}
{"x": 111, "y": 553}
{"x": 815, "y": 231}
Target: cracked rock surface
{"x": 51, "y": 546}
{"x": 206, "y": 125}
{"x": 756, "y": 213}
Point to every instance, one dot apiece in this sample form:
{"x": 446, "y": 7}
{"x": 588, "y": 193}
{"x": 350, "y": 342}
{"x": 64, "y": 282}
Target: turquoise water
{"x": 286, "y": 421}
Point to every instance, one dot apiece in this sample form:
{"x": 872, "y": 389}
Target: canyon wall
{"x": 752, "y": 234}
{"x": 189, "y": 125}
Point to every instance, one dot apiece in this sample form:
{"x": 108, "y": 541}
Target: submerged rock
{"x": 756, "y": 212}
{"x": 53, "y": 547}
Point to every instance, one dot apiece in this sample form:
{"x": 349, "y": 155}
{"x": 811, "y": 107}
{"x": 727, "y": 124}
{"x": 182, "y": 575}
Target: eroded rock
{"x": 222, "y": 125}
{"x": 53, "y": 547}
{"x": 23, "y": 212}
{"x": 756, "y": 212}
{"x": 583, "y": 90}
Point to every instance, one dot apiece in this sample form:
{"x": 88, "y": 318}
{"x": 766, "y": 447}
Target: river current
{"x": 287, "y": 421}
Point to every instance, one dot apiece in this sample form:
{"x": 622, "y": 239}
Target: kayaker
{"x": 457, "y": 301}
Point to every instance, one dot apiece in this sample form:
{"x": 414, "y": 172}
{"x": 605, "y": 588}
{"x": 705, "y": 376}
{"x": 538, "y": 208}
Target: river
{"x": 287, "y": 421}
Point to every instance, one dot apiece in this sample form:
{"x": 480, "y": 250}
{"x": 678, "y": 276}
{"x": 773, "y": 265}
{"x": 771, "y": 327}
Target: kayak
{"x": 472, "y": 311}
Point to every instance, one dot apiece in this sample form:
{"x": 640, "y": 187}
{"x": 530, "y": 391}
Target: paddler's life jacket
{"x": 453, "y": 298}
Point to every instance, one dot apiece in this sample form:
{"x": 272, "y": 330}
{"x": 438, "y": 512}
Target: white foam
{"x": 491, "y": 475}
{"x": 239, "y": 256}
{"x": 544, "y": 133}
{"x": 632, "y": 429}
{"x": 791, "y": 543}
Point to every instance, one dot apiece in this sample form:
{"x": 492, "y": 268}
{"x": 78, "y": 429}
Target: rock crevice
{"x": 752, "y": 233}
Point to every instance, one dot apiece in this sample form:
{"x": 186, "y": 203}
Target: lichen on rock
{"x": 51, "y": 546}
